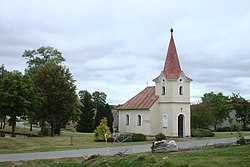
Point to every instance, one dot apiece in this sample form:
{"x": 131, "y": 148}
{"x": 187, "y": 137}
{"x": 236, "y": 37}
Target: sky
{"x": 119, "y": 47}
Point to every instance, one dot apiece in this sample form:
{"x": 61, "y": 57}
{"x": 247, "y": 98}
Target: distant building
{"x": 164, "y": 107}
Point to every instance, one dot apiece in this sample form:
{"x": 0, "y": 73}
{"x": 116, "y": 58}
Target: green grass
{"x": 62, "y": 142}
{"x": 20, "y": 130}
{"x": 236, "y": 156}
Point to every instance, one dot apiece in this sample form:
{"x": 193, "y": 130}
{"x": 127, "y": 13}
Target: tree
{"x": 2, "y": 111}
{"x": 102, "y": 130}
{"x": 242, "y": 107}
{"x": 99, "y": 115}
{"x": 201, "y": 117}
{"x": 109, "y": 115}
{"x": 99, "y": 98}
{"x": 16, "y": 92}
{"x": 57, "y": 89}
{"x": 86, "y": 122}
{"x": 219, "y": 106}
{"x": 38, "y": 58}
{"x": 41, "y": 56}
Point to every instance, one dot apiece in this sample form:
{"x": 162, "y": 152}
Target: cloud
{"x": 118, "y": 46}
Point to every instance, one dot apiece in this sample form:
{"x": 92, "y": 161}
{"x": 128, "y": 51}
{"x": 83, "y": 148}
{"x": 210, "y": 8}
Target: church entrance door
{"x": 180, "y": 126}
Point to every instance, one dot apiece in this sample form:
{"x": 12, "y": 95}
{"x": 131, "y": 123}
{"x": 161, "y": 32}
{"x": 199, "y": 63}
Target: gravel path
{"x": 106, "y": 151}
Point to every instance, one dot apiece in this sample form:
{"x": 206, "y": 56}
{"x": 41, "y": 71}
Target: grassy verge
{"x": 237, "y": 156}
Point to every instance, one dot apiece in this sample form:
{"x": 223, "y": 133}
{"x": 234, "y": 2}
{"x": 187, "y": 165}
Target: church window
{"x": 165, "y": 121}
{"x": 138, "y": 120}
{"x": 163, "y": 90}
{"x": 180, "y": 90}
{"x": 127, "y": 119}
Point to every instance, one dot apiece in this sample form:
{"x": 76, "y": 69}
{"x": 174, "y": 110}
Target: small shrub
{"x": 197, "y": 132}
{"x": 201, "y": 133}
{"x": 160, "y": 136}
{"x": 124, "y": 137}
{"x": 208, "y": 133}
{"x": 152, "y": 159}
{"x": 101, "y": 130}
{"x": 241, "y": 141}
{"x": 93, "y": 156}
{"x": 138, "y": 137}
{"x": 141, "y": 157}
{"x": 224, "y": 129}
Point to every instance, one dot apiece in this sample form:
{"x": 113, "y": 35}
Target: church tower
{"x": 163, "y": 108}
{"x": 173, "y": 88}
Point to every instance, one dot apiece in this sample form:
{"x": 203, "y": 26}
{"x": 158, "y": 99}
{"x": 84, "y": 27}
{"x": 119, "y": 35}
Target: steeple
{"x": 172, "y": 68}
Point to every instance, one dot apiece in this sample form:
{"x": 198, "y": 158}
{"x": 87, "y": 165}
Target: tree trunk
{"x": 13, "y": 124}
{"x": 1, "y": 127}
{"x": 31, "y": 125}
{"x": 4, "y": 121}
{"x": 52, "y": 128}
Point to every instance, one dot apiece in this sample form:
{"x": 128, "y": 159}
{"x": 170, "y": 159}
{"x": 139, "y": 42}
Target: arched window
{"x": 164, "y": 121}
{"x": 138, "y": 120}
{"x": 127, "y": 119}
{"x": 180, "y": 90}
{"x": 163, "y": 90}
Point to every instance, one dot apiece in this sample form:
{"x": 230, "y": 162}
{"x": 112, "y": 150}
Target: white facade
{"x": 167, "y": 110}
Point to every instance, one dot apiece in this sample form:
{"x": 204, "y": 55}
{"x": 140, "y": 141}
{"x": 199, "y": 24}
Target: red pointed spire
{"x": 172, "y": 68}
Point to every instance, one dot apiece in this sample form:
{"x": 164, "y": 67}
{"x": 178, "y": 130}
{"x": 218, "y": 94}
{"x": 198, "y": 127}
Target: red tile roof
{"x": 143, "y": 100}
{"x": 172, "y": 68}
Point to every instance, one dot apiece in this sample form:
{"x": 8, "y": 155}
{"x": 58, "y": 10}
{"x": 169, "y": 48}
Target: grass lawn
{"x": 62, "y": 142}
{"x": 235, "y": 156}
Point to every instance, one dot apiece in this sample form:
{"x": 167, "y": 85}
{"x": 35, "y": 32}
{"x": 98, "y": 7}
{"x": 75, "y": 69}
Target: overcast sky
{"x": 117, "y": 46}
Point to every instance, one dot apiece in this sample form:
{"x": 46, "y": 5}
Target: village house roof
{"x": 143, "y": 100}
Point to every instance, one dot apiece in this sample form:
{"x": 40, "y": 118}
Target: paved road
{"x": 105, "y": 151}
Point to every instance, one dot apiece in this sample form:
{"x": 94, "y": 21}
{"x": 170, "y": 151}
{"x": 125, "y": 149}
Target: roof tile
{"x": 143, "y": 100}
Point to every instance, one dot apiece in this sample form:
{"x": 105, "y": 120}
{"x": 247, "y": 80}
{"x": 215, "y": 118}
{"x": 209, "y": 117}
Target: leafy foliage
{"x": 201, "y": 133}
{"x": 160, "y": 136}
{"x": 201, "y": 116}
{"x": 242, "y": 107}
{"x": 41, "y": 56}
{"x": 86, "y": 122}
{"x": 102, "y": 130}
{"x": 16, "y": 95}
{"x": 219, "y": 106}
{"x": 57, "y": 90}
{"x": 138, "y": 137}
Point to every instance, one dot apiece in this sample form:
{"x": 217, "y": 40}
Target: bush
{"x": 124, "y": 137}
{"x": 102, "y": 130}
{"x": 208, "y": 133}
{"x": 224, "y": 129}
{"x": 201, "y": 133}
{"x": 160, "y": 136}
{"x": 138, "y": 137}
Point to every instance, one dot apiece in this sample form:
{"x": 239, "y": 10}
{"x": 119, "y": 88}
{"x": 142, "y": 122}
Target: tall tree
{"x": 86, "y": 122}
{"x": 2, "y": 111}
{"x": 56, "y": 86}
{"x": 219, "y": 106}
{"x": 201, "y": 117}
{"x": 99, "y": 98}
{"x": 16, "y": 92}
{"x": 242, "y": 107}
{"x": 109, "y": 115}
{"x": 99, "y": 115}
{"x": 41, "y": 56}
{"x": 38, "y": 58}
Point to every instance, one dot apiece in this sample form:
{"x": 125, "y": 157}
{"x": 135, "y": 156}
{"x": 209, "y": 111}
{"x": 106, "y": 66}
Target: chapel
{"x": 163, "y": 108}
